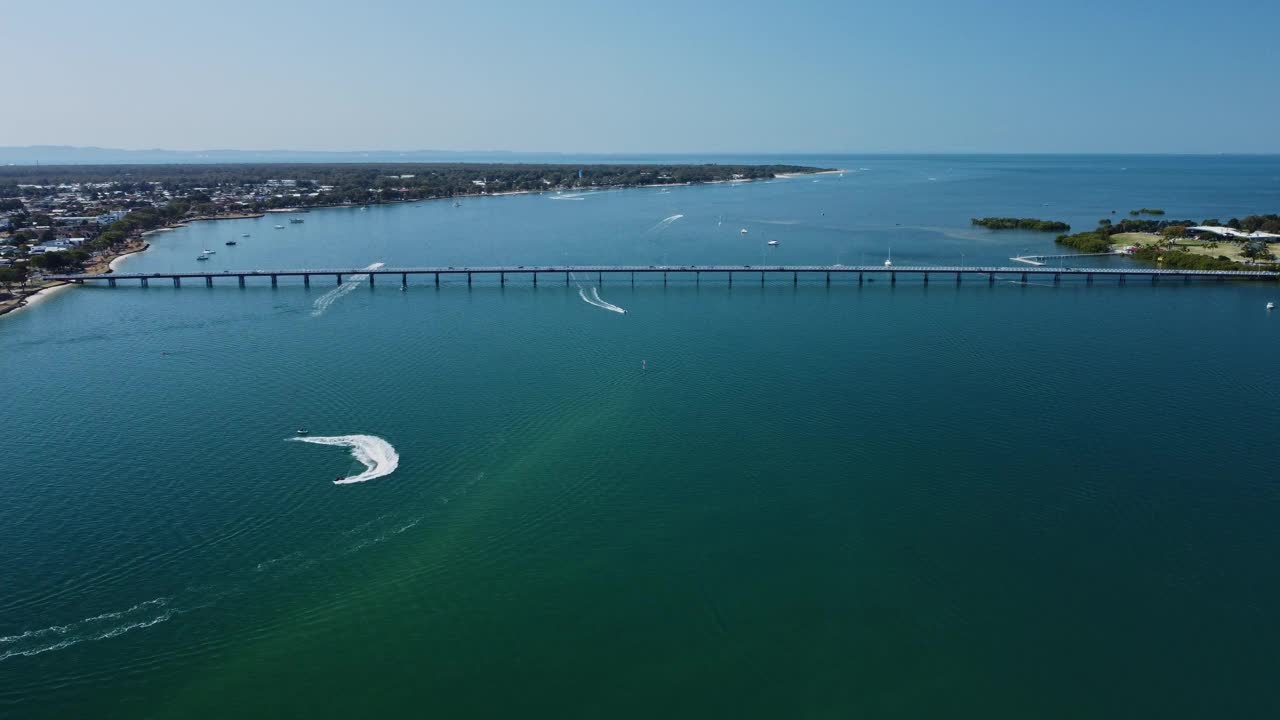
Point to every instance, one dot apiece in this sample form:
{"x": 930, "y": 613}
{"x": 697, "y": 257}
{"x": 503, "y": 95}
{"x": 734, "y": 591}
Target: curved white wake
{"x": 377, "y": 455}
{"x": 665, "y": 223}
{"x": 597, "y": 301}
{"x": 323, "y": 302}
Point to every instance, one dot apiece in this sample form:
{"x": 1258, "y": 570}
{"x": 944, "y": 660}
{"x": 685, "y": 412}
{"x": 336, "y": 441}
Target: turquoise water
{"x": 910, "y": 501}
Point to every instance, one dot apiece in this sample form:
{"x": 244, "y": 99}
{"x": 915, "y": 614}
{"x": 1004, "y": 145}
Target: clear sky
{"x": 645, "y": 75}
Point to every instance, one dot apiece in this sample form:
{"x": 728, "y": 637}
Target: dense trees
{"x": 1008, "y": 223}
{"x": 1147, "y": 211}
{"x": 1095, "y": 241}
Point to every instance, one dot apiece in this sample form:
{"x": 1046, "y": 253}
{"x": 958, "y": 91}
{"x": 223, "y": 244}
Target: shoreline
{"x": 26, "y": 298}
{"x": 31, "y": 296}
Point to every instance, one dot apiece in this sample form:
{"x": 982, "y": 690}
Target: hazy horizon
{"x": 921, "y": 77}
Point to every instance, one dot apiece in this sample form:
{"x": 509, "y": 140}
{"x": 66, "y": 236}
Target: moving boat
{"x": 743, "y": 231}
{"x": 773, "y": 242}
{"x": 230, "y": 242}
{"x": 279, "y": 227}
{"x": 1271, "y": 305}
{"x": 457, "y": 204}
{"x": 303, "y": 431}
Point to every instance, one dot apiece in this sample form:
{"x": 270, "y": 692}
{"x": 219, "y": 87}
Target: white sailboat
{"x": 889, "y": 261}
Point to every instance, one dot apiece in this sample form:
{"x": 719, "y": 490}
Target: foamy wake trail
{"x": 567, "y": 197}
{"x": 377, "y": 455}
{"x": 665, "y": 223}
{"x": 323, "y": 302}
{"x": 594, "y": 299}
{"x": 98, "y": 627}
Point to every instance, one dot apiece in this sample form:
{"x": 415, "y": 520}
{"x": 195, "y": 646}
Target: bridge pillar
{"x": 991, "y": 278}
{"x": 306, "y": 281}
{"x": 893, "y": 278}
{"x": 437, "y": 279}
{"x": 1121, "y": 279}
{"x": 600, "y": 279}
{"x": 177, "y": 281}
{"x": 208, "y": 281}
{"x": 371, "y": 277}
{"x": 566, "y": 277}
{"x": 535, "y": 279}
{"x": 1024, "y": 277}
{"x": 926, "y": 278}
{"x": 859, "y": 277}
{"x": 795, "y": 278}
{"x": 664, "y": 278}
{"x": 274, "y": 280}
{"x": 502, "y": 278}
{"x": 1088, "y": 279}
{"x": 469, "y": 280}
{"x": 1186, "y": 279}
{"x": 111, "y": 282}
{"x": 339, "y": 276}
{"x": 730, "y": 278}
{"x": 1154, "y": 278}
{"x": 633, "y": 278}
{"x": 761, "y": 278}
{"x": 404, "y": 280}
{"x": 1057, "y": 278}
{"x": 828, "y": 277}
{"x": 241, "y": 280}
{"x": 957, "y": 277}
{"x": 144, "y": 282}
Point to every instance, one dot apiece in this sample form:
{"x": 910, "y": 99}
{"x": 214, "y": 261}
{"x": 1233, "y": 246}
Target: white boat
{"x": 1271, "y": 306}
{"x": 743, "y": 231}
{"x": 773, "y": 242}
{"x": 889, "y": 261}
{"x": 279, "y": 227}
{"x": 207, "y": 252}
{"x": 244, "y": 235}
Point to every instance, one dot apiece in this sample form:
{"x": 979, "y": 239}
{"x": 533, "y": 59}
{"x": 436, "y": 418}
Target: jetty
{"x": 840, "y": 273}
{"x": 1040, "y": 259}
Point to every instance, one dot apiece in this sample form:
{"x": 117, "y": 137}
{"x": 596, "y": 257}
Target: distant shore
{"x": 33, "y": 294}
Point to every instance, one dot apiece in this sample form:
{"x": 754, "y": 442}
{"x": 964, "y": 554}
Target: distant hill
{"x": 73, "y": 155}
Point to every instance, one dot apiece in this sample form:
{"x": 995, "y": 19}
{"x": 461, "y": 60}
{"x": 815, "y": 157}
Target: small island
{"x": 1239, "y": 244}
{"x": 1009, "y": 223}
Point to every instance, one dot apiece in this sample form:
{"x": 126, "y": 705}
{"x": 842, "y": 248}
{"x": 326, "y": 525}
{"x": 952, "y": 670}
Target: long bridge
{"x": 856, "y": 273}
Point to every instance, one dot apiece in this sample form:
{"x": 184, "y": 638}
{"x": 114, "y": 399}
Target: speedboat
{"x": 303, "y": 431}
{"x": 743, "y": 231}
{"x": 279, "y": 227}
{"x": 207, "y": 252}
{"x": 773, "y": 242}
{"x": 1271, "y": 306}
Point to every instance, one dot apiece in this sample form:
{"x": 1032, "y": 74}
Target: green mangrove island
{"x": 1008, "y": 223}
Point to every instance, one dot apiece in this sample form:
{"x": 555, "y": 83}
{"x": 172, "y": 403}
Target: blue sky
{"x": 652, "y": 76}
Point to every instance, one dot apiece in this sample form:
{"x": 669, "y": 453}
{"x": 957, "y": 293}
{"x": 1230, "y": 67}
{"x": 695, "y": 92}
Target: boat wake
{"x": 377, "y": 455}
{"x": 665, "y": 223}
{"x": 98, "y": 627}
{"x": 568, "y": 197}
{"x": 323, "y": 302}
{"x": 595, "y": 299}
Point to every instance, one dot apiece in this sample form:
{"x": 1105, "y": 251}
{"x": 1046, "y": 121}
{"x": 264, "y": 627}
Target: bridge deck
{"x": 653, "y": 269}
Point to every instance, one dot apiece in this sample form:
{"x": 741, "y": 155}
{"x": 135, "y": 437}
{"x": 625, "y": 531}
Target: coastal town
{"x": 81, "y": 218}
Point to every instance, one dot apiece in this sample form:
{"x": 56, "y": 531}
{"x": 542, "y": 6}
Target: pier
{"x": 1040, "y": 259}
{"x": 599, "y": 273}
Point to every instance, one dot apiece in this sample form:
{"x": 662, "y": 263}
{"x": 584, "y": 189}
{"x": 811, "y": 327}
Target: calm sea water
{"x": 1002, "y": 501}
